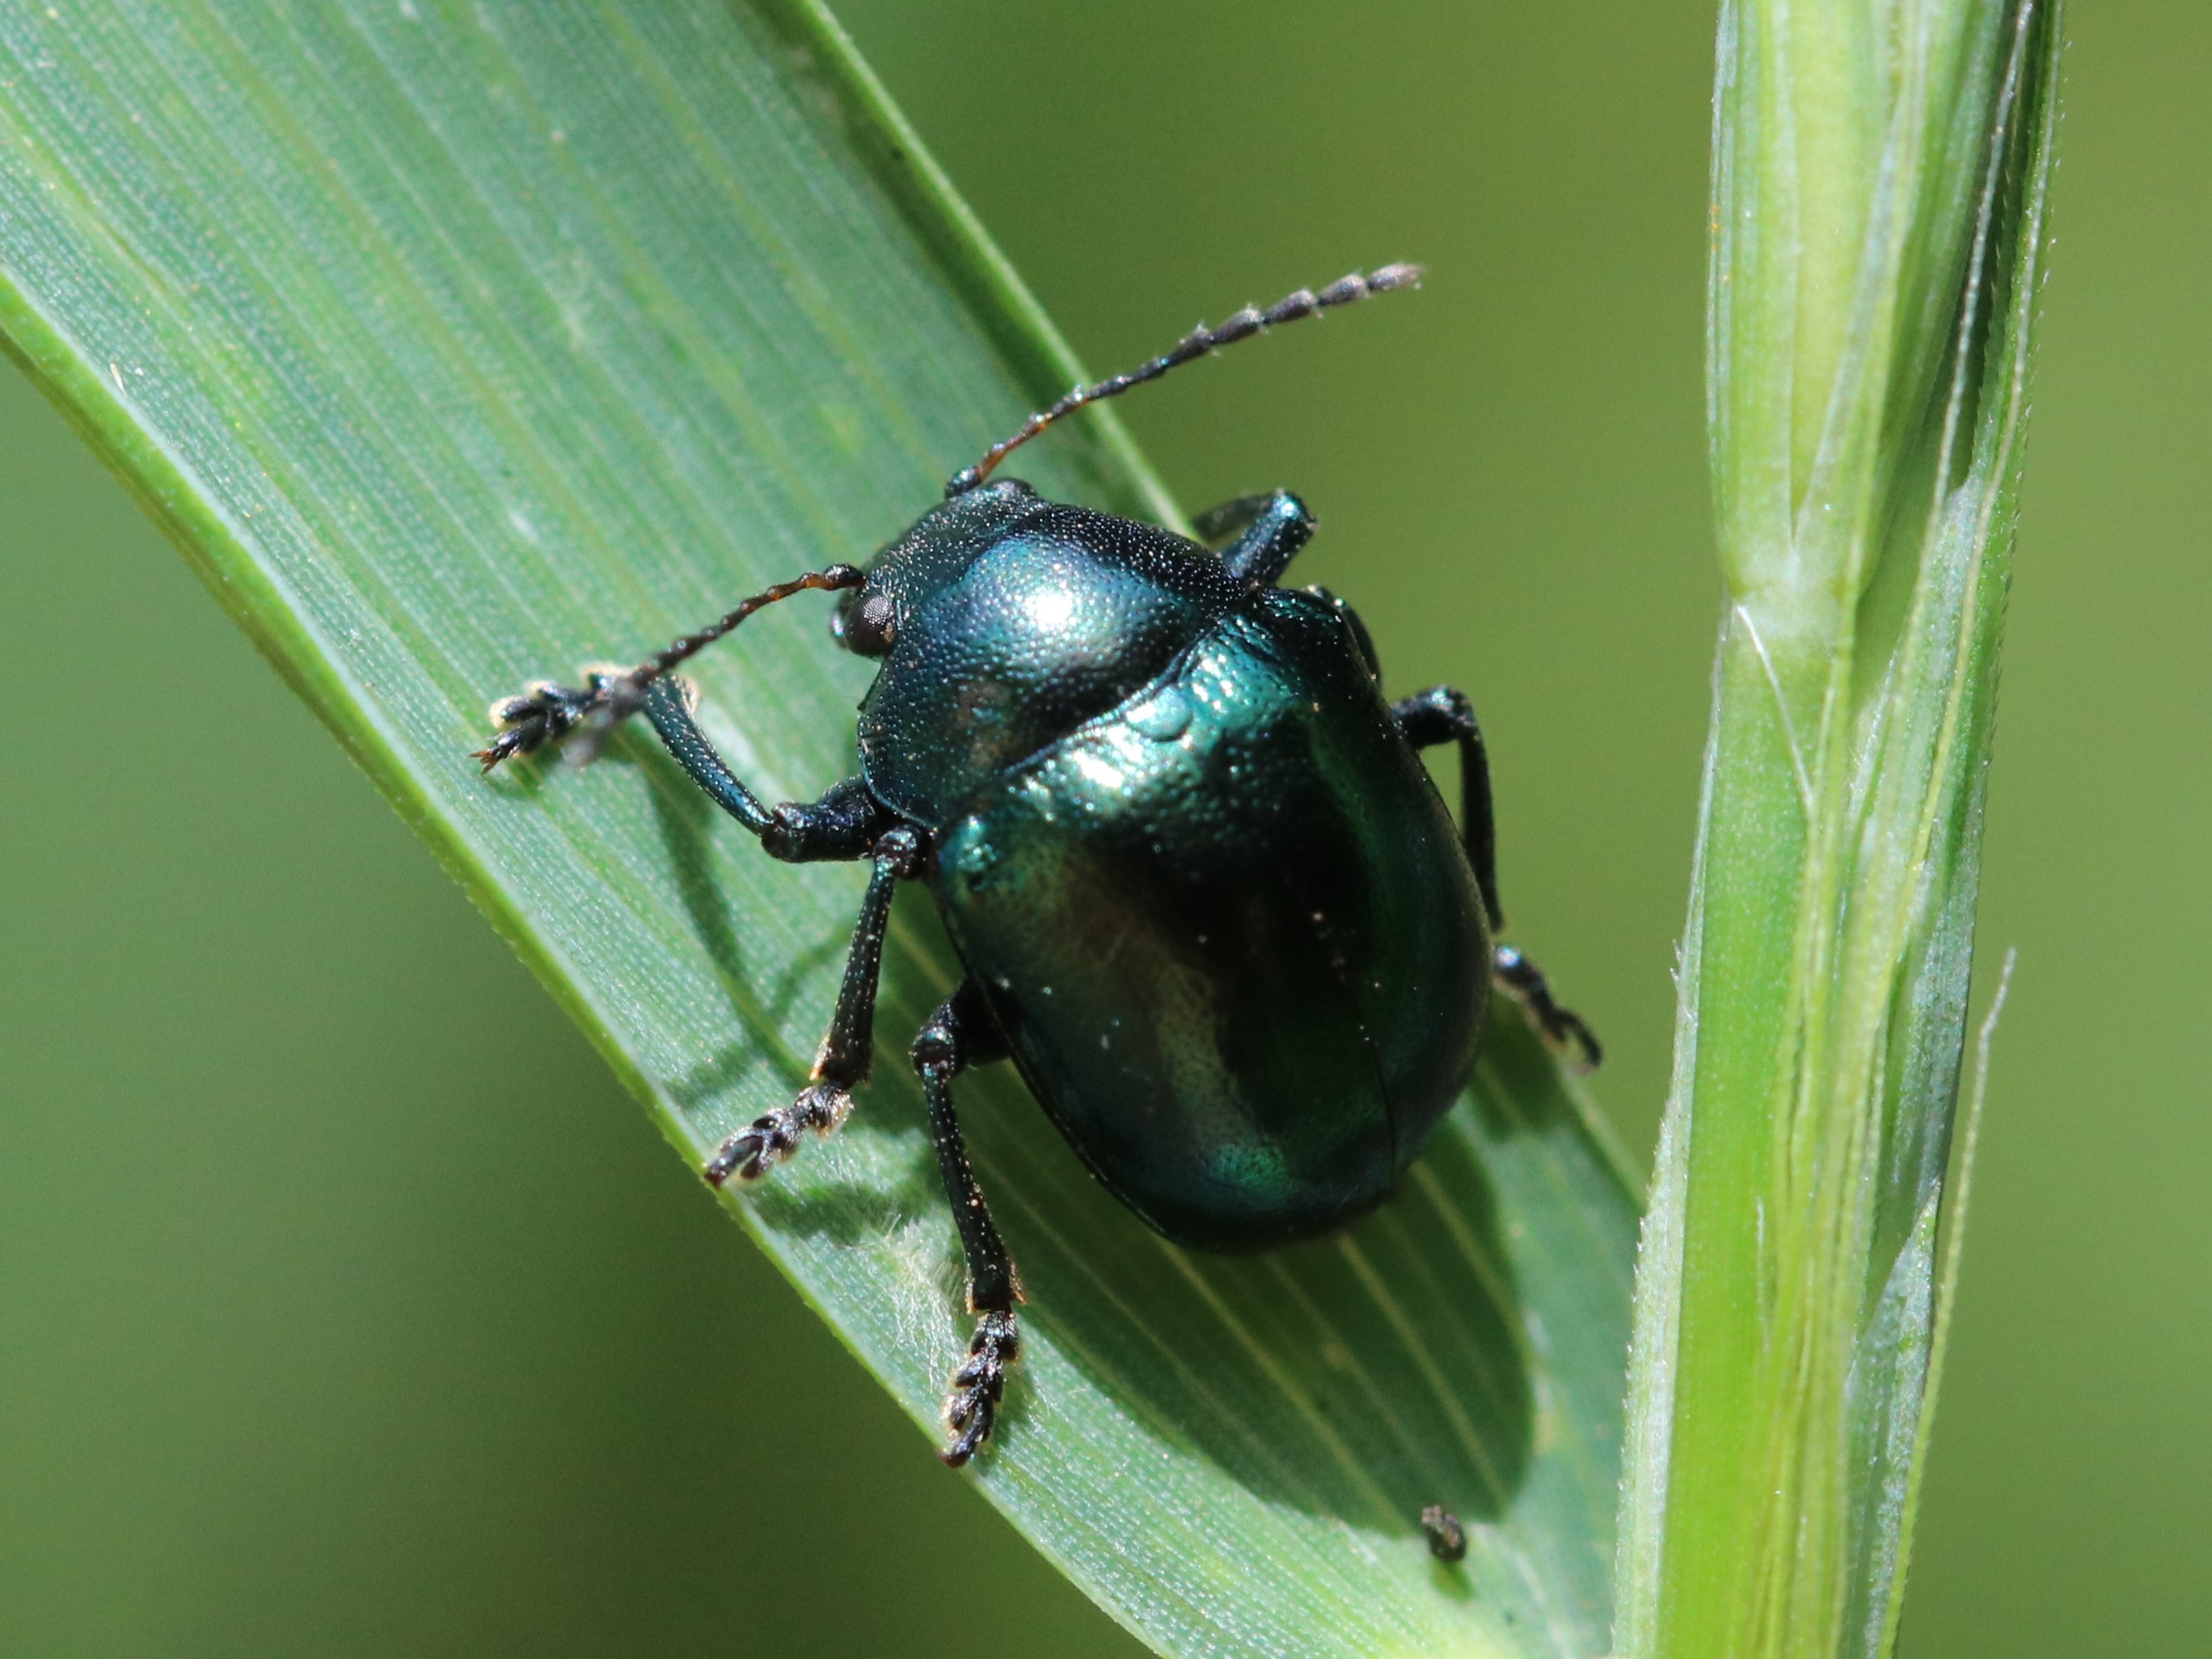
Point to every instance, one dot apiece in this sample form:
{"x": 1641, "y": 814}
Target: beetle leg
{"x": 846, "y": 823}
{"x": 960, "y": 1033}
{"x": 1273, "y": 527}
{"x": 1217, "y": 523}
{"x": 842, "y": 1063}
{"x": 1562, "y": 1025}
{"x": 1442, "y": 714}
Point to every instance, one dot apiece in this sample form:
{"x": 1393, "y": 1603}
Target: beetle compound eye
{"x": 870, "y": 628}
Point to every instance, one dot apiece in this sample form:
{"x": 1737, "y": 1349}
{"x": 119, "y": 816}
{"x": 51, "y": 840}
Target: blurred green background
{"x": 291, "y": 1361}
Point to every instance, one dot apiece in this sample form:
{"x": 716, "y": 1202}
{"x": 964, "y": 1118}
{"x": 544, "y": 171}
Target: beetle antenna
{"x": 836, "y": 579}
{"x": 1199, "y": 342}
{"x": 547, "y": 712}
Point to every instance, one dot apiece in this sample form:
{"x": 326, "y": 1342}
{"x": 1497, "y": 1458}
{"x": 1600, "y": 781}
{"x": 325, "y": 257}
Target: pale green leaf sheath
{"x": 1880, "y": 172}
{"x": 458, "y": 346}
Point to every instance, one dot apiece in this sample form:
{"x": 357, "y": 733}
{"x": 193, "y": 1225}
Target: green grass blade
{"x": 456, "y": 346}
{"x": 1881, "y": 175}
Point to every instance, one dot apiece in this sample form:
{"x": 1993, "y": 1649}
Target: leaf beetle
{"x": 1205, "y": 897}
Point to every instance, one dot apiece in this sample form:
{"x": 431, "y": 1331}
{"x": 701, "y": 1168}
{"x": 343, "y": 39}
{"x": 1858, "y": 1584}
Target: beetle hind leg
{"x": 960, "y": 1033}
{"x": 842, "y": 1063}
{"x": 1442, "y": 715}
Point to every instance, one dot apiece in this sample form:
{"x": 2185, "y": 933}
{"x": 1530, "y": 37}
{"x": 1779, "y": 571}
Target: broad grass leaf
{"x": 459, "y": 345}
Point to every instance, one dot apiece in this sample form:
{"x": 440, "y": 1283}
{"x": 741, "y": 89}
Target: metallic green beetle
{"x": 1206, "y": 897}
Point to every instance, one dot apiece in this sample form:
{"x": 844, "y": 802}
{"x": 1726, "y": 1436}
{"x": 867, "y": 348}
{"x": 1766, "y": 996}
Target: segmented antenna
{"x": 836, "y": 579}
{"x": 1200, "y": 342}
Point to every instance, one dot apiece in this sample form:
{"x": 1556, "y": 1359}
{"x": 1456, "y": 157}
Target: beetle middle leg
{"x": 960, "y": 1034}
{"x": 843, "y": 1062}
{"x": 845, "y": 823}
{"x": 1442, "y": 714}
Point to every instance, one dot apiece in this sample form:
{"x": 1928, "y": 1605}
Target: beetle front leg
{"x": 1269, "y": 529}
{"x": 843, "y": 1062}
{"x": 960, "y": 1033}
{"x": 844, "y": 824}
{"x": 1443, "y": 715}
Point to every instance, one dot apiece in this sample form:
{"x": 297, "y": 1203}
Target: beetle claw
{"x": 775, "y": 1136}
{"x": 971, "y": 1409}
{"x": 1565, "y": 1026}
{"x": 1563, "y": 1029}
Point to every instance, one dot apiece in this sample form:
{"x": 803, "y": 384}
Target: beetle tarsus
{"x": 971, "y": 1409}
{"x": 769, "y": 1138}
{"x": 544, "y": 713}
{"x": 549, "y": 714}
{"x": 1561, "y": 1026}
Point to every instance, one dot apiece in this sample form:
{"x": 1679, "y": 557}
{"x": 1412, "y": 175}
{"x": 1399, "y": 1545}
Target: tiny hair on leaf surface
{"x": 458, "y": 348}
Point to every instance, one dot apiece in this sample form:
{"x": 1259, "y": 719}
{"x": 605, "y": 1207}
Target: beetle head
{"x": 935, "y": 552}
